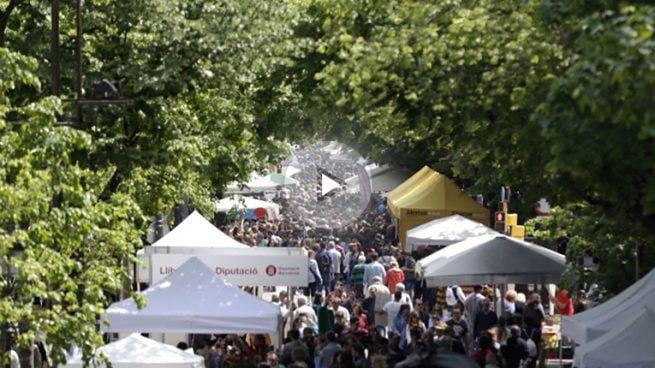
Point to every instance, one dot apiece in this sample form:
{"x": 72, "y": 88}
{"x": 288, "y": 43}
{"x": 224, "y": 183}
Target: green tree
{"x": 61, "y": 244}
{"x": 599, "y": 120}
{"x": 202, "y": 109}
{"x": 550, "y": 98}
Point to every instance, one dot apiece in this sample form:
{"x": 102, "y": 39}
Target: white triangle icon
{"x": 328, "y": 185}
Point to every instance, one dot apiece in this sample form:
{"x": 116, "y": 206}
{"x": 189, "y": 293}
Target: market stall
{"x": 195, "y": 231}
{"x": 630, "y": 344}
{"x": 193, "y": 299}
{"x": 260, "y": 184}
{"x": 590, "y": 324}
{"x": 446, "y": 231}
{"x": 136, "y": 351}
{"x": 429, "y": 195}
{"x": 491, "y": 259}
{"x": 250, "y": 206}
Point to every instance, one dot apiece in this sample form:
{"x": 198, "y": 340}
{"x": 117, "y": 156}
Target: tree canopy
{"x": 553, "y": 99}
{"x": 78, "y": 189}
{"x": 548, "y": 98}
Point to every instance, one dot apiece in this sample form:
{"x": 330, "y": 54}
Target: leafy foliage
{"x": 586, "y": 233}
{"x": 196, "y": 119}
{"x": 61, "y": 244}
{"x": 550, "y": 98}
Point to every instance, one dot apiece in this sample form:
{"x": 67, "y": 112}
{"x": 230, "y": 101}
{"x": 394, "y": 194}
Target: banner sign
{"x": 240, "y": 270}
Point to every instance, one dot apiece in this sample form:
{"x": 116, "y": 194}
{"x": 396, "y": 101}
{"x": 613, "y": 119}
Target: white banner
{"x": 240, "y": 270}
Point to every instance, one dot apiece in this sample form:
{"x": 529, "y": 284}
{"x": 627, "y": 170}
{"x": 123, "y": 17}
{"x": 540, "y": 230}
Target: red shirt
{"x": 563, "y": 299}
{"x": 394, "y": 276}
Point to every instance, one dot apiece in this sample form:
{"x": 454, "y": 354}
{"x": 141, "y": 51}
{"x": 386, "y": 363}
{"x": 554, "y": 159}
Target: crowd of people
{"x": 380, "y": 320}
{"x": 364, "y": 306}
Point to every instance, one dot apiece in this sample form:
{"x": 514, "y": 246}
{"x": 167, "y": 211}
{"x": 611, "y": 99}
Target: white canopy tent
{"x": 630, "y": 344}
{"x": 270, "y": 181}
{"x": 136, "y": 351}
{"x": 290, "y": 170}
{"x": 383, "y": 178}
{"x": 591, "y": 324}
{"x": 190, "y": 236}
{"x": 446, "y": 231}
{"x": 195, "y": 231}
{"x": 247, "y": 203}
{"x": 491, "y": 259}
{"x": 193, "y": 299}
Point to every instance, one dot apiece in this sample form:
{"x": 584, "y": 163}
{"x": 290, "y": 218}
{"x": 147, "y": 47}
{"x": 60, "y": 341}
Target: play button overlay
{"x": 333, "y": 185}
{"x": 328, "y": 185}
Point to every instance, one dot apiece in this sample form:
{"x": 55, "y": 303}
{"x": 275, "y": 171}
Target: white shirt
{"x": 382, "y": 296}
{"x": 391, "y": 308}
{"x": 335, "y": 256}
{"x": 343, "y": 310}
{"x": 306, "y": 310}
{"x": 406, "y": 299}
{"x": 15, "y": 360}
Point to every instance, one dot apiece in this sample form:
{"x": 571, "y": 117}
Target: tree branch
{"x": 4, "y": 19}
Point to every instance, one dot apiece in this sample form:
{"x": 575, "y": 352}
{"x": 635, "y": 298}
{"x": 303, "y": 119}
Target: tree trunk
{"x": 4, "y": 19}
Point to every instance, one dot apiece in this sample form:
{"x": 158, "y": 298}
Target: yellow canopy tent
{"x": 429, "y": 195}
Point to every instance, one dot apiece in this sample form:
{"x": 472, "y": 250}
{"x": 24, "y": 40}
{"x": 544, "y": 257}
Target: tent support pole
{"x": 494, "y": 299}
{"x": 291, "y": 294}
{"x": 503, "y": 291}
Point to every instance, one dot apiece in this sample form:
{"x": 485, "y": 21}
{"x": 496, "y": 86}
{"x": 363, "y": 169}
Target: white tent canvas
{"x": 446, "y": 231}
{"x": 630, "y": 344}
{"x": 591, "y": 324}
{"x": 491, "y": 259}
{"x": 195, "y": 231}
{"x": 193, "y": 299}
{"x": 136, "y": 351}
{"x": 383, "y": 178}
{"x": 247, "y": 203}
{"x": 259, "y": 183}
{"x": 290, "y": 170}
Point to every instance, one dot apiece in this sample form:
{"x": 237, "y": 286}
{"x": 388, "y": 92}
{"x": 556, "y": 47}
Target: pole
{"x": 55, "y": 49}
{"x": 290, "y": 295}
{"x": 637, "y": 263}
{"x": 78, "y": 57}
{"x": 503, "y": 291}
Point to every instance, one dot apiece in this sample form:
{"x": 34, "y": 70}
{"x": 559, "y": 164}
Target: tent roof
{"x": 446, "y": 231}
{"x": 193, "y": 299}
{"x": 628, "y": 344}
{"x": 196, "y": 231}
{"x": 408, "y": 184}
{"x": 492, "y": 259}
{"x": 242, "y": 202}
{"x": 290, "y": 170}
{"x": 430, "y": 190}
{"x": 138, "y": 351}
{"x": 261, "y": 183}
{"x": 596, "y": 321}
{"x": 383, "y": 178}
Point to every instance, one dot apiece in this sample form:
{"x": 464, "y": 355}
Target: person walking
{"x": 394, "y": 276}
{"x": 373, "y": 269}
{"x": 533, "y": 318}
{"x": 325, "y": 268}
{"x": 314, "y": 279}
{"x": 357, "y": 276}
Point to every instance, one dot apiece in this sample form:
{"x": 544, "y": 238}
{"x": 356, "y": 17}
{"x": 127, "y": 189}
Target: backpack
{"x": 324, "y": 261}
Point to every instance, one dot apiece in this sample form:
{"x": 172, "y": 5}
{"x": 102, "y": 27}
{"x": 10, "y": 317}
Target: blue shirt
{"x": 399, "y": 327}
{"x": 374, "y": 269}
